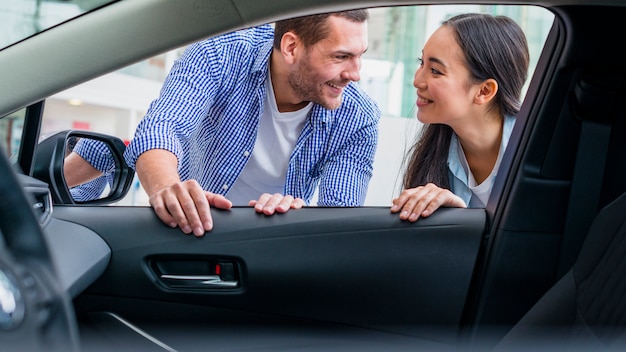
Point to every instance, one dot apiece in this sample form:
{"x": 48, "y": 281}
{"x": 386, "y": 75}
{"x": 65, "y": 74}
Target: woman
{"x": 469, "y": 85}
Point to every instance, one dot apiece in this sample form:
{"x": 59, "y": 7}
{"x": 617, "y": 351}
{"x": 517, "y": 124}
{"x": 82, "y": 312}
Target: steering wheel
{"x": 36, "y": 313}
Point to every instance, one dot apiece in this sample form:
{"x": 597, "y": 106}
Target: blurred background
{"x": 115, "y": 103}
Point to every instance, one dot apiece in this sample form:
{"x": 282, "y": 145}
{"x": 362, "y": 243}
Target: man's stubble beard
{"x": 303, "y": 84}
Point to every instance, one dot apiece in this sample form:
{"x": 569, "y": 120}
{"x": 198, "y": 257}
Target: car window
{"x": 115, "y": 103}
{"x": 20, "y": 19}
{"x": 11, "y": 127}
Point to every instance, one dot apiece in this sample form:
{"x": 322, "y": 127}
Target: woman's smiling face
{"x": 445, "y": 92}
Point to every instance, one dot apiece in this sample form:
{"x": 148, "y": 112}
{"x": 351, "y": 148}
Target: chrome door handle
{"x": 197, "y": 281}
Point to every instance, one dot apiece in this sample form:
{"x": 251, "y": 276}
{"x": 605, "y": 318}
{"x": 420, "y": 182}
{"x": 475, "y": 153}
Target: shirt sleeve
{"x": 90, "y": 190}
{"x": 184, "y": 100}
{"x": 97, "y": 154}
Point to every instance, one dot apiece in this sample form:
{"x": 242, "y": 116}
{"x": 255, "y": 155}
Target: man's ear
{"x": 289, "y": 45}
{"x": 487, "y": 91}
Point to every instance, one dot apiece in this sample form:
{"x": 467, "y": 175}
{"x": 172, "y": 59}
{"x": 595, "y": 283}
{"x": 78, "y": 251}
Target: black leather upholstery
{"x": 586, "y": 308}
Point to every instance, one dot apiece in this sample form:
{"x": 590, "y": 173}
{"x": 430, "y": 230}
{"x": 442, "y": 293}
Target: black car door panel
{"x": 358, "y": 266}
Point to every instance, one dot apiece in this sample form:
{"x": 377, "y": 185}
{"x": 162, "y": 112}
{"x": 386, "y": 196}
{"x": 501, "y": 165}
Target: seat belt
{"x": 595, "y": 107}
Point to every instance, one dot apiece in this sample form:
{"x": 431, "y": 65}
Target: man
{"x": 77, "y": 169}
{"x": 262, "y": 111}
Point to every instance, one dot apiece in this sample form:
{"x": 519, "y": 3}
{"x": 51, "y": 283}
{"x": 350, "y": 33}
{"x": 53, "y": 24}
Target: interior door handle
{"x": 204, "y": 274}
{"x": 197, "y": 281}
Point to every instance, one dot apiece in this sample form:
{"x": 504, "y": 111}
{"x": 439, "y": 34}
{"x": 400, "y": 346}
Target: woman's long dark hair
{"x": 494, "y": 47}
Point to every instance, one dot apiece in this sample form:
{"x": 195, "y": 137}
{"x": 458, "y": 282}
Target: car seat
{"x": 586, "y": 308}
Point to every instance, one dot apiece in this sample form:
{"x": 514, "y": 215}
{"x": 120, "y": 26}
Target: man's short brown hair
{"x": 312, "y": 29}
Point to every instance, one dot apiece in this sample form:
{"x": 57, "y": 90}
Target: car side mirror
{"x": 83, "y": 167}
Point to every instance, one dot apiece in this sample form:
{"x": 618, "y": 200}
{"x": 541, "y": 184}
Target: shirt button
{"x": 225, "y": 186}
{"x": 246, "y": 153}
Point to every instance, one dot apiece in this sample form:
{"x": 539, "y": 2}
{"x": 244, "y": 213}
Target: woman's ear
{"x": 487, "y": 91}
{"x": 288, "y": 46}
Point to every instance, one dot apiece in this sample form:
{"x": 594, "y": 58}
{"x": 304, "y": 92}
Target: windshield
{"x": 20, "y": 19}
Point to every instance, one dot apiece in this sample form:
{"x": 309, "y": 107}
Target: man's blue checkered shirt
{"x": 208, "y": 113}
{"x": 99, "y": 156}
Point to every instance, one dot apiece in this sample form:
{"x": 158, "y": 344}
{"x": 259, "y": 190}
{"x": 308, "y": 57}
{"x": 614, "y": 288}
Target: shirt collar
{"x": 454, "y": 160}
{"x": 262, "y": 60}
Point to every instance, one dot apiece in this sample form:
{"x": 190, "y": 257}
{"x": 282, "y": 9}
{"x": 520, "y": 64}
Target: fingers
{"x": 297, "y": 203}
{"x": 186, "y": 205}
{"x": 157, "y": 203}
{"x": 269, "y": 204}
{"x": 218, "y": 201}
{"x": 422, "y": 201}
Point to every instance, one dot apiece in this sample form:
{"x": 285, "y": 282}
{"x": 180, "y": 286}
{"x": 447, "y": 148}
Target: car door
{"x": 360, "y": 267}
{"x": 357, "y": 270}
{"x": 340, "y": 277}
